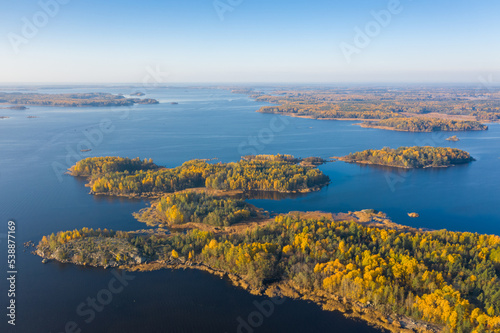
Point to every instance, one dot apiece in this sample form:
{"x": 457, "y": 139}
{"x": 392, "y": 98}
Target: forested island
{"x": 410, "y": 157}
{"x": 420, "y": 124}
{"x": 133, "y": 177}
{"x": 71, "y": 100}
{"x": 401, "y": 279}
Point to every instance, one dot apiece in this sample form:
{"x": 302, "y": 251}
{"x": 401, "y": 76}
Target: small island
{"x": 453, "y": 139}
{"x": 17, "y": 107}
{"x": 410, "y": 157}
{"x": 70, "y": 100}
{"x": 138, "y": 93}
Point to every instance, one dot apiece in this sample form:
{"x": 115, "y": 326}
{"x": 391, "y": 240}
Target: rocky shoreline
{"x": 355, "y": 310}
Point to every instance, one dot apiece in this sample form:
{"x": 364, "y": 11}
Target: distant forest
{"x": 71, "y": 100}
{"x": 388, "y": 103}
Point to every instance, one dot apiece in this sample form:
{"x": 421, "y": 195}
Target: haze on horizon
{"x": 67, "y": 41}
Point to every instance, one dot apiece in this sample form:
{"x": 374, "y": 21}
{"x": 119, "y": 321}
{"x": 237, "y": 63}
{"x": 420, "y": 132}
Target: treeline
{"x": 253, "y": 174}
{"x": 411, "y": 157}
{"x": 285, "y": 158}
{"x": 422, "y": 124}
{"x": 196, "y": 207}
{"x": 447, "y": 278}
{"x": 101, "y": 165}
{"x": 72, "y": 100}
{"x": 272, "y": 158}
{"x": 323, "y": 110}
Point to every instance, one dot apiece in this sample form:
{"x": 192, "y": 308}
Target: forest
{"x": 420, "y": 107}
{"x": 115, "y": 176}
{"x": 411, "y": 157}
{"x": 421, "y": 124}
{"x": 404, "y": 99}
{"x": 196, "y": 207}
{"x": 72, "y": 100}
{"x": 446, "y": 278}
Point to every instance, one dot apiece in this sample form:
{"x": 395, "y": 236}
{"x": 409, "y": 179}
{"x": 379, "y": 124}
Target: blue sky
{"x": 257, "y": 41}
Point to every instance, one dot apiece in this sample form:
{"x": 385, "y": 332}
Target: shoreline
{"x": 354, "y": 310}
{"x": 393, "y": 323}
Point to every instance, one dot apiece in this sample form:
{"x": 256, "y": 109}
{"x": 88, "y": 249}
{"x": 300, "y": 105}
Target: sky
{"x": 275, "y": 41}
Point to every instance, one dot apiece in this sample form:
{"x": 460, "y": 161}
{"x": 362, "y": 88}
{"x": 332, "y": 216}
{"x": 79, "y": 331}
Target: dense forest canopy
{"x": 112, "y": 175}
{"x": 448, "y": 278}
{"x": 196, "y": 207}
{"x": 72, "y": 100}
{"x": 102, "y": 165}
{"x": 411, "y": 157}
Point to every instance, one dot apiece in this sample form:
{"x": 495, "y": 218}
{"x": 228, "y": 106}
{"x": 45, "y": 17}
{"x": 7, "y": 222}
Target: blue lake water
{"x": 207, "y": 123}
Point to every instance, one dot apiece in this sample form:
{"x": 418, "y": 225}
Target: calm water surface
{"x": 206, "y": 124}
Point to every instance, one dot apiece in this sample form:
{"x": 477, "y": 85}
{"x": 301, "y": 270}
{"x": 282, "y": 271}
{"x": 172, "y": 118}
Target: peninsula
{"x": 398, "y": 278}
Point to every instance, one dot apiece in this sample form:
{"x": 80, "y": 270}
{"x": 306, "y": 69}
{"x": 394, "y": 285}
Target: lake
{"x": 207, "y": 123}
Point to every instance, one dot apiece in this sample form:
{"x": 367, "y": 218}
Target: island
{"x": 138, "y": 93}
{"x": 453, "y": 138}
{"x": 421, "y": 124}
{"x": 17, "y": 107}
{"x": 70, "y": 100}
{"x": 136, "y": 178}
{"x": 410, "y": 157}
{"x": 394, "y": 277}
